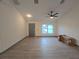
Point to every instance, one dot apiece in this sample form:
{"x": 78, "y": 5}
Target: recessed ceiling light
{"x": 29, "y": 15}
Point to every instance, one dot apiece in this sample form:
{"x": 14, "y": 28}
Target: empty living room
{"x": 39, "y": 29}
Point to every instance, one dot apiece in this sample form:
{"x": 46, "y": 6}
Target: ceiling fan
{"x": 52, "y": 14}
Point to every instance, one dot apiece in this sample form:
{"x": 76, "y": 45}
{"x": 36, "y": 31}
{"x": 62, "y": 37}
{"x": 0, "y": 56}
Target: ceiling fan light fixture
{"x": 51, "y": 17}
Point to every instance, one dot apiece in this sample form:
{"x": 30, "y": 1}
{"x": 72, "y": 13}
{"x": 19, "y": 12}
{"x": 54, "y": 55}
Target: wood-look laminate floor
{"x": 41, "y": 48}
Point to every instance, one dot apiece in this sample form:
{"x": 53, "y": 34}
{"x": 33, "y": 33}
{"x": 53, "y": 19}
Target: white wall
{"x": 12, "y": 26}
{"x": 69, "y": 23}
{"x": 38, "y": 27}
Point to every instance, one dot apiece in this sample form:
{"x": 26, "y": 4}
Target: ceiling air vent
{"x": 16, "y": 2}
{"x": 62, "y": 1}
{"x": 0, "y": 0}
{"x": 35, "y": 1}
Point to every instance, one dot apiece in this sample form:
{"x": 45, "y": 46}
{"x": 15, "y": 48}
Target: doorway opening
{"x": 31, "y": 29}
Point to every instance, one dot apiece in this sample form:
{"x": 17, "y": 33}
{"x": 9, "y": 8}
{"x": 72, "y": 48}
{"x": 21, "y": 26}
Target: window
{"x": 47, "y": 28}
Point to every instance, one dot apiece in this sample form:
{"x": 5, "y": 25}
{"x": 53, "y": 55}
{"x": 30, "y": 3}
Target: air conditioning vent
{"x": 62, "y": 1}
{"x": 0, "y": 0}
{"x": 16, "y": 2}
{"x": 35, "y": 1}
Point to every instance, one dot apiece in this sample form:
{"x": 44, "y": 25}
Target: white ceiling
{"x": 40, "y": 11}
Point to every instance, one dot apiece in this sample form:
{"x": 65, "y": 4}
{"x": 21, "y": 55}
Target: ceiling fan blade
{"x": 51, "y": 12}
{"x": 55, "y": 14}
